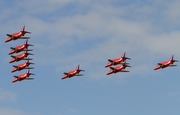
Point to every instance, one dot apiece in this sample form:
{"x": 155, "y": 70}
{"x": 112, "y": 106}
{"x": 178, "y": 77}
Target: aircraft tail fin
{"x": 23, "y": 30}
{"x": 77, "y": 68}
{"x": 124, "y": 56}
{"x": 26, "y": 43}
{"x": 172, "y": 59}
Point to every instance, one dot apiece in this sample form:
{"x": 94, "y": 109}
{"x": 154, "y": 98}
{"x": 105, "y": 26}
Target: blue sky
{"x": 89, "y": 32}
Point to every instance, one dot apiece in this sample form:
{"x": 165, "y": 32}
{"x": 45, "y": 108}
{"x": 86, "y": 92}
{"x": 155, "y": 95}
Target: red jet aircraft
{"x": 117, "y": 60}
{"x": 17, "y": 35}
{"x": 20, "y": 57}
{"x": 73, "y": 73}
{"x": 23, "y": 77}
{"x": 166, "y": 63}
{"x": 20, "y": 48}
{"x": 22, "y": 66}
{"x": 118, "y": 69}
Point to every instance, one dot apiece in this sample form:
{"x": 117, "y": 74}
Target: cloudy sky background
{"x": 89, "y": 32}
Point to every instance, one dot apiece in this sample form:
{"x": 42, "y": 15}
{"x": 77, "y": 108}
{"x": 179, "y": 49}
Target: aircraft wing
{"x": 13, "y": 56}
{"x": 16, "y": 76}
{"x": 66, "y": 73}
{"x": 112, "y": 68}
{"x": 12, "y": 48}
{"x": 110, "y": 60}
{"x": 9, "y": 35}
{"x": 172, "y": 65}
{"x": 160, "y": 64}
{"x": 15, "y": 66}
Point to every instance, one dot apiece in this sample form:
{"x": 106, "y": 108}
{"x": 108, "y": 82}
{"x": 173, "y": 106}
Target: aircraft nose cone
{"x": 14, "y": 69}
{"x": 8, "y": 39}
{"x": 11, "y": 52}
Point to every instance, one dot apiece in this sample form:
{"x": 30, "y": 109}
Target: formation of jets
{"x": 115, "y": 65}
{"x": 20, "y": 56}
{"x": 17, "y": 35}
{"x": 121, "y": 60}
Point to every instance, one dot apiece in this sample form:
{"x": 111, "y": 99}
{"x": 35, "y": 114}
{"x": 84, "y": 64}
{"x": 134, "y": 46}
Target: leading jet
{"x": 17, "y": 35}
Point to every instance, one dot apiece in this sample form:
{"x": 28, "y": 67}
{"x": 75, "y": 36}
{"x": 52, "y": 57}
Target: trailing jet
{"x": 117, "y": 60}
{"x": 23, "y": 47}
{"x": 165, "y": 64}
{"x": 120, "y": 68}
{"x": 73, "y": 73}
{"x": 17, "y": 35}
{"x": 22, "y": 66}
{"x": 23, "y": 77}
{"x": 19, "y": 57}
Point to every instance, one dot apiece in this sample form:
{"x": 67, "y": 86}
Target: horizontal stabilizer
{"x": 128, "y": 58}
{"x": 29, "y": 68}
{"x": 124, "y": 63}
{"x": 30, "y": 45}
{"x": 79, "y": 74}
{"x": 27, "y": 50}
{"x": 27, "y": 32}
{"x": 29, "y": 78}
{"x": 124, "y": 70}
{"x": 24, "y": 38}
{"x": 27, "y": 59}
{"x": 172, "y": 65}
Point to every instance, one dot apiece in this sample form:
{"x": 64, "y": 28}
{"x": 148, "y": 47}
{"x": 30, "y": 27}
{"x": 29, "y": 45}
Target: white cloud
{"x": 103, "y": 26}
{"x": 12, "y": 111}
{"x": 7, "y": 96}
{"x": 7, "y": 111}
